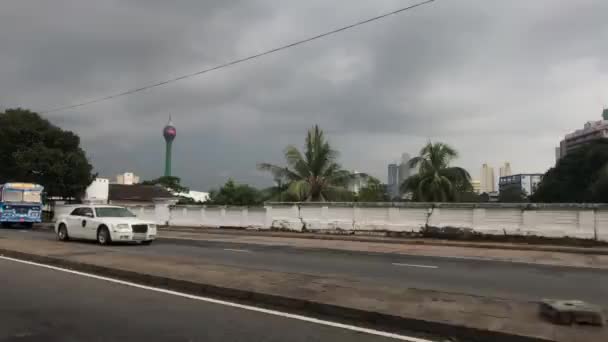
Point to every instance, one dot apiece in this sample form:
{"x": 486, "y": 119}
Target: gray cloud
{"x": 500, "y": 80}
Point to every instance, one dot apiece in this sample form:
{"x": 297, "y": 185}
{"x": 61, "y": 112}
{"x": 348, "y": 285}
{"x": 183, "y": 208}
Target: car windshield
{"x": 113, "y": 212}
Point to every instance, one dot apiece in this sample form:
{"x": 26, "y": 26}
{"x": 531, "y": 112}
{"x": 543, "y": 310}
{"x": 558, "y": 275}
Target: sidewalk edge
{"x": 389, "y": 240}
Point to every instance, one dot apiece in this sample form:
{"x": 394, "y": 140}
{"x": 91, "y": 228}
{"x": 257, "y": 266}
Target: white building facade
{"x": 592, "y": 130}
{"x": 127, "y": 178}
{"x": 98, "y": 191}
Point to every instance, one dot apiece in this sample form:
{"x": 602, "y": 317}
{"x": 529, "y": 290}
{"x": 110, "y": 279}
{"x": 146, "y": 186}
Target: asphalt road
{"x": 491, "y": 278}
{"x": 38, "y": 304}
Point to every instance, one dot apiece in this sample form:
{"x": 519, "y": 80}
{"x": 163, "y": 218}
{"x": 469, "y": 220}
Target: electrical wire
{"x": 237, "y": 61}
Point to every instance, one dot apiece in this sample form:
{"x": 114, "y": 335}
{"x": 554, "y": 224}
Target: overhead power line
{"x": 237, "y": 61}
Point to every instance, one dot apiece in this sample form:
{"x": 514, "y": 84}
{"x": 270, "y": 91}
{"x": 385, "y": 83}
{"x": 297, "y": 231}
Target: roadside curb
{"x": 292, "y": 305}
{"x": 396, "y": 240}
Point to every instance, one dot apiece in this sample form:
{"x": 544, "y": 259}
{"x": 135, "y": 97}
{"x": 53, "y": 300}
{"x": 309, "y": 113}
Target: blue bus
{"x": 20, "y": 203}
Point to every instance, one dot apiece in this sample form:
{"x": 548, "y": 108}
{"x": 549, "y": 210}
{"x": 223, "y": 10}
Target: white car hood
{"x": 119, "y": 220}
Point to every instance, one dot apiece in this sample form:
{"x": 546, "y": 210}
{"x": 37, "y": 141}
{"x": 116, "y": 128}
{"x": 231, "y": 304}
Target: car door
{"x": 88, "y": 224}
{"x": 74, "y": 221}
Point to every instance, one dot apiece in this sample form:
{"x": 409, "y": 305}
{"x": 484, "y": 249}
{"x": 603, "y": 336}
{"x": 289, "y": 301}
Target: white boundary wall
{"x": 548, "y": 220}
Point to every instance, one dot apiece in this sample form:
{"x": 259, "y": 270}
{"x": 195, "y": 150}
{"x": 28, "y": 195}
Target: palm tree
{"x": 436, "y": 181}
{"x": 313, "y": 175}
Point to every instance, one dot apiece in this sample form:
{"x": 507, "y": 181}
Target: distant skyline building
{"x": 404, "y": 168}
{"x": 127, "y": 178}
{"x": 169, "y": 133}
{"x": 527, "y": 182}
{"x": 505, "y": 170}
{"x": 358, "y": 182}
{"x": 592, "y": 130}
{"x": 398, "y": 173}
{"x": 476, "y": 186}
{"x": 487, "y": 179}
{"x": 393, "y": 180}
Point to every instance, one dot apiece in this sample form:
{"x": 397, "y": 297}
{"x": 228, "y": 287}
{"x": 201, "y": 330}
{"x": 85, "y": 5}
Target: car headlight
{"x": 122, "y": 227}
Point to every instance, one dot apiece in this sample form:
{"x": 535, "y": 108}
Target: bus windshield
{"x": 32, "y": 197}
{"x": 13, "y": 195}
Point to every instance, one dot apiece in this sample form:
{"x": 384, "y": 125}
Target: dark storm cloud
{"x": 500, "y": 80}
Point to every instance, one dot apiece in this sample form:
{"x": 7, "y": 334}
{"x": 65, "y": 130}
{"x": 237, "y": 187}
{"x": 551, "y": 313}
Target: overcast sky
{"x": 499, "y": 80}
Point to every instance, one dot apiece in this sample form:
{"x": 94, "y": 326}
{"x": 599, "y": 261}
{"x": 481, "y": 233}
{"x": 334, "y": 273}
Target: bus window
{"x": 13, "y": 195}
{"x": 31, "y": 196}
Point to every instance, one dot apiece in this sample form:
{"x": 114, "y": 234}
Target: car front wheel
{"x": 103, "y": 236}
{"x": 62, "y": 233}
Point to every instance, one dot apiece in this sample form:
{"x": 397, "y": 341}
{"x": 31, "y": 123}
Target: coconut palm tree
{"x": 436, "y": 181}
{"x": 313, "y": 175}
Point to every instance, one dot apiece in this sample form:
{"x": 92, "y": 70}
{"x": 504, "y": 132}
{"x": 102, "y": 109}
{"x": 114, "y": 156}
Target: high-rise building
{"x": 476, "y": 186}
{"x": 404, "y": 168}
{"x": 393, "y": 180}
{"x": 592, "y": 130}
{"x": 398, "y": 173}
{"x": 169, "y": 133}
{"x": 505, "y": 170}
{"x": 487, "y": 179}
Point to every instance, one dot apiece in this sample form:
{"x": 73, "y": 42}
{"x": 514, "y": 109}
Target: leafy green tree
{"x": 512, "y": 194}
{"x": 373, "y": 191}
{"x": 313, "y": 175}
{"x": 170, "y": 183}
{"x": 436, "y": 180}
{"x": 484, "y": 197}
{"x": 278, "y": 193}
{"x": 232, "y": 193}
{"x": 470, "y": 197}
{"x": 34, "y": 150}
{"x": 580, "y": 176}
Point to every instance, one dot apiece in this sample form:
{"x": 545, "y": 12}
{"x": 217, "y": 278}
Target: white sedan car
{"x": 104, "y": 223}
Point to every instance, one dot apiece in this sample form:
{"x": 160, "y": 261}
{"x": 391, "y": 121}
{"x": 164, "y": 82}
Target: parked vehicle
{"x": 20, "y": 203}
{"x": 104, "y": 223}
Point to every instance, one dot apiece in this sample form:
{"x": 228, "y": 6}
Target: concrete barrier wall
{"x": 548, "y": 220}
{"x": 144, "y": 212}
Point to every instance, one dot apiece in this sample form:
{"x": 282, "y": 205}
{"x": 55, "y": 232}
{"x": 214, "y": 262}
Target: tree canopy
{"x": 436, "y": 180}
{"x": 313, "y": 175}
{"x": 34, "y": 150}
{"x": 512, "y": 194}
{"x": 232, "y": 193}
{"x": 170, "y": 183}
{"x": 373, "y": 191}
{"x": 580, "y": 176}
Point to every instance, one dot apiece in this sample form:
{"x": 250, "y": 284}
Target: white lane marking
{"x": 411, "y": 265}
{"x": 237, "y": 250}
{"x": 230, "y": 304}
